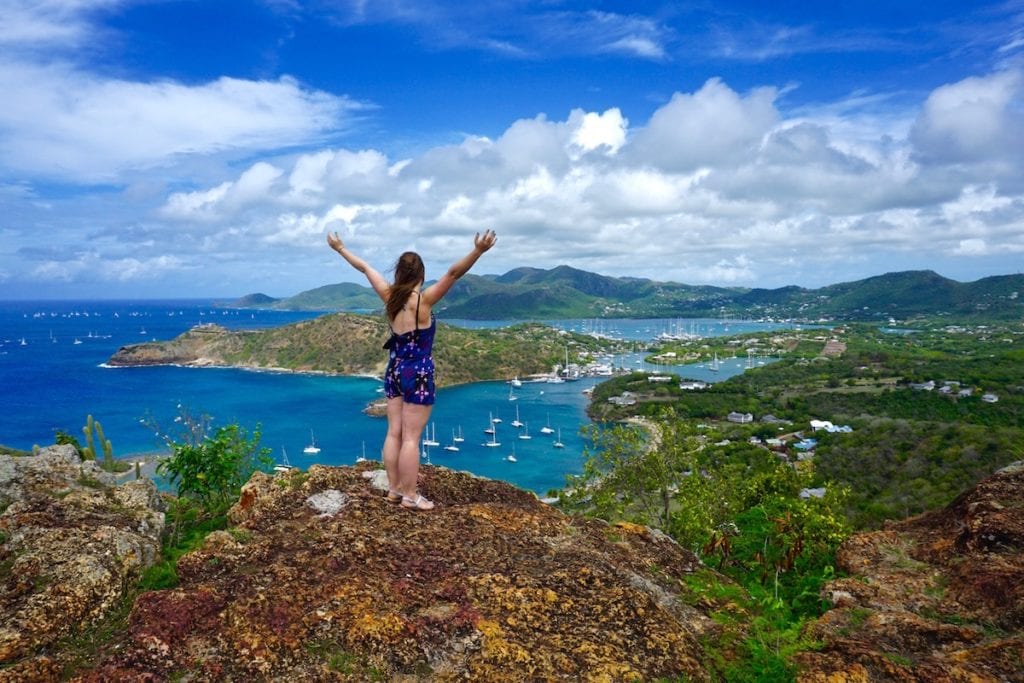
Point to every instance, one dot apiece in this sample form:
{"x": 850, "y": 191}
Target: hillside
{"x": 350, "y": 344}
{"x": 566, "y": 292}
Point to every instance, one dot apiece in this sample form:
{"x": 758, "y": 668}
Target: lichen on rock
{"x": 73, "y": 543}
{"x": 938, "y": 597}
{"x": 491, "y": 584}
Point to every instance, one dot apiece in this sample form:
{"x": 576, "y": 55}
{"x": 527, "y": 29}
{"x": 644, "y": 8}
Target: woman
{"x": 409, "y": 378}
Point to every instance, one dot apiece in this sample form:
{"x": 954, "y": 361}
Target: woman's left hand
{"x": 486, "y": 241}
{"x": 335, "y": 242}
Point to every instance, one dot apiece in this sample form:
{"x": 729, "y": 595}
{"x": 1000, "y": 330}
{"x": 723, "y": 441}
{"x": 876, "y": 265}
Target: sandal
{"x": 417, "y": 503}
{"x": 394, "y": 496}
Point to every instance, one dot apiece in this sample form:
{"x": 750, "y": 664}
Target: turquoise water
{"x": 52, "y": 383}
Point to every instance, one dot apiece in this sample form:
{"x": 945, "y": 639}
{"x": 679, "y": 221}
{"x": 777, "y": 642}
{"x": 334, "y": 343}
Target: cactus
{"x": 100, "y": 440}
{"x": 88, "y": 453}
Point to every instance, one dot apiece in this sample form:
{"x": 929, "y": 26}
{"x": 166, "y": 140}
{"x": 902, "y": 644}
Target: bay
{"x": 52, "y": 376}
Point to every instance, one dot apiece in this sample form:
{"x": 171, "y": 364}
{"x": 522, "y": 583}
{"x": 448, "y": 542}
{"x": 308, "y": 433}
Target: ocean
{"x": 52, "y": 375}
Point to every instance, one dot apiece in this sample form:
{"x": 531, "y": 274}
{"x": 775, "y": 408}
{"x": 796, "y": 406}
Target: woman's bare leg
{"x": 393, "y": 442}
{"x": 414, "y": 417}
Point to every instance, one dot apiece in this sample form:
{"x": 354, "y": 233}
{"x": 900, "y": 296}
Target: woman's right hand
{"x": 486, "y": 241}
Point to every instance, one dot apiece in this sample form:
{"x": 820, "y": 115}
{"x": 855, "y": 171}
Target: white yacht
{"x": 526, "y": 432}
{"x": 516, "y": 422}
{"x": 431, "y": 438}
{"x": 547, "y": 428}
{"x": 558, "y": 440}
{"x": 312, "y": 448}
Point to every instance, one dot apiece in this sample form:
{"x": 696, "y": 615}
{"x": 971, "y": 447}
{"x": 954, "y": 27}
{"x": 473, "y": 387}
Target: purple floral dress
{"x": 410, "y": 371}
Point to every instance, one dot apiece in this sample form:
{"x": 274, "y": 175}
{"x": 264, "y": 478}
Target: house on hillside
{"x": 692, "y": 385}
{"x": 923, "y": 386}
{"x": 739, "y": 418}
{"x": 989, "y": 398}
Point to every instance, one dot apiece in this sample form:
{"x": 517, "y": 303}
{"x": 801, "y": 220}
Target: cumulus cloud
{"x": 712, "y": 127}
{"x": 978, "y": 119}
{"x": 60, "y": 122}
{"x": 717, "y": 186}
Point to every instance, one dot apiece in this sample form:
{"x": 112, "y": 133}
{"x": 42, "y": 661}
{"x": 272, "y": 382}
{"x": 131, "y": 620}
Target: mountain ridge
{"x": 567, "y": 292}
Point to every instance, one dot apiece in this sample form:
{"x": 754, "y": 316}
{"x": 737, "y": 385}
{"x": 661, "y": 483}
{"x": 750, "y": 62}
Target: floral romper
{"x": 410, "y": 371}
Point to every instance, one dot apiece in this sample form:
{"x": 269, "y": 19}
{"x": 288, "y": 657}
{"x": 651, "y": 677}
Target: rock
{"x": 939, "y": 597}
{"x": 72, "y": 544}
{"x": 491, "y": 585}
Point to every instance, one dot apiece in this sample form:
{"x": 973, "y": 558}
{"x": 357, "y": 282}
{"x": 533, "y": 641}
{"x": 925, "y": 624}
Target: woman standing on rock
{"x": 409, "y": 378}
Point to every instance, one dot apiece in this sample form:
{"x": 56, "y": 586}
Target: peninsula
{"x": 350, "y": 344}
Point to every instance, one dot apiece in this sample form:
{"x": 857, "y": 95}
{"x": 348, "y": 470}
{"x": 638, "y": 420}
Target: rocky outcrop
{"x": 72, "y": 544}
{"x": 939, "y": 597}
{"x": 323, "y": 579}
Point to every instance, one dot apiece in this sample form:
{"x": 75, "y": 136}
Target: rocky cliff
{"x": 323, "y": 579}
{"x": 71, "y": 545}
{"x": 939, "y": 597}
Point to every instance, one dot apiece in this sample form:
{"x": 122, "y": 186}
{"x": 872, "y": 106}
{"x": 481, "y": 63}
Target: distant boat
{"x": 362, "y": 458}
{"x": 458, "y": 438}
{"x": 452, "y": 447}
{"x": 312, "y": 448}
{"x": 547, "y": 429}
{"x": 23, "y": 342}
{"x": 526, "y": 432}
{"x": 516, "y": 422}
{"x": 558, "y": 440}
{"x": 511, "y": 396}
{"x": 284, "y": 465}
{"x": 431, "y": 438}
{"x": 490, "y": 424}
{"x": 493, "y": 443}
{"x": 77, "y": 341}
{"x": 516, "y": 382}
{"x": 496, "y": 420}
{"x": 512, "y": 456}
{"x": 714, "y": 364}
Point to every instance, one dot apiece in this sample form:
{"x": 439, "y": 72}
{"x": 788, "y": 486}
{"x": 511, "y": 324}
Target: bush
{"x": 212, "y": 471}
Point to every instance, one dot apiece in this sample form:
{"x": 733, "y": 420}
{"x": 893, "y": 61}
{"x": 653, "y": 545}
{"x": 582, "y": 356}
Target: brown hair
{"x": 408, "y": 275}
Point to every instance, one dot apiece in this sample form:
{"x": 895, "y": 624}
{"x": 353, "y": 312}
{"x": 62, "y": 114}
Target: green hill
{"x": 566, "y": 292}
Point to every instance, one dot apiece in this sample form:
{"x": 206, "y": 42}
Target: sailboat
{"x": 714, "y": 363}
{"x": 284, "y": 465}
{"x": 558, "y": 440}
{"x": 516, "y": 422}
{"x": 77, "y": 341}
{"x": 452, "y": 447}
{"x": 512, "y": 396}
{"x": 496, "y": 420}
{"x": 516, "y": 382}
{"x": 547, "y": 429}
{"x": 512, "y": 456}
{"x": 362, "y": 458}
{"x": 526, "y": 432}
{"x": 493, "y": 443}
{"x": 490, "y": 424}
{"x": 431, "y": 438}
{"x": 458, "y": 438}
{"x": 23, "y": 342}
{"x": 312, "y": 448}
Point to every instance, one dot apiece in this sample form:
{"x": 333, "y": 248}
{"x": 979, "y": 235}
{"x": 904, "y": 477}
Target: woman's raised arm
{"x": 377, "y": 281}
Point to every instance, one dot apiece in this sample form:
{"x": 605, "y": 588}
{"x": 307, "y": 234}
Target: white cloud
{"x": 594, "y": 131}
{"x": 714, "y": 126}
{"x": 977, "y": 119}
{"x": 716, "y": 187}
{"x": 60, "y": 122}
{"x": 43, "y": 24}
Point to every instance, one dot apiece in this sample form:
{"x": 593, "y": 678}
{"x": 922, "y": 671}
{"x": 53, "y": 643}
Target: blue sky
{"x": 204, "y": 148}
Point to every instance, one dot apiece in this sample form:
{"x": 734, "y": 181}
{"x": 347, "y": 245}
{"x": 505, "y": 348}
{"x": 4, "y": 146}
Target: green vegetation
{"x": 351, "y": 344}
{"x": 212, "y": 472}
{"x": 738, "y": 507}
{"x": 89, "y": 452}
{"x": 732, "y": 491}
{"x": 565, "y": 292}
